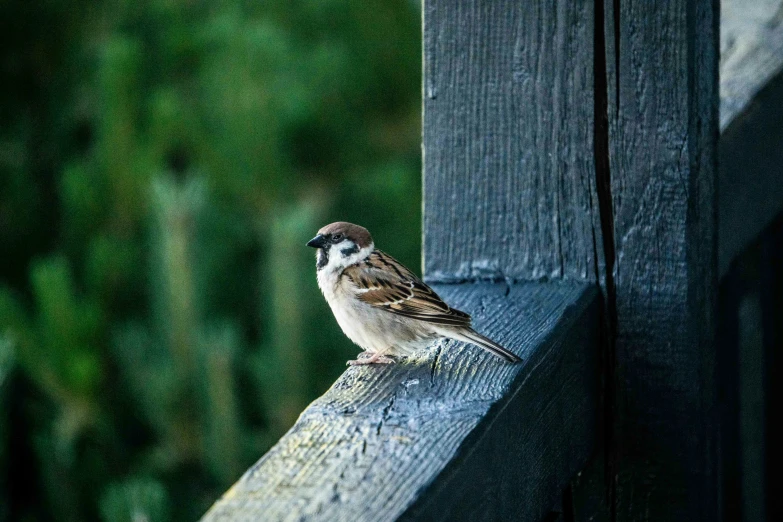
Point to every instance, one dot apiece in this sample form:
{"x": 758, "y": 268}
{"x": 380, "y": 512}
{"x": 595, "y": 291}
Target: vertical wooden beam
{"x": 663, "y": 130}
{"x": 508, "y": 152}
{"x": 517, "y": 185}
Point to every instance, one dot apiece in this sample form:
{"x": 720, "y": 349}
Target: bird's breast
{"x": 373, "y": 329}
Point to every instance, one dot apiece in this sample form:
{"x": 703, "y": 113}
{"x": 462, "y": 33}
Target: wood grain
{"x": 663, "y": 136}
{"x": 445, "y": 435}
{"x": 508, "y": 140}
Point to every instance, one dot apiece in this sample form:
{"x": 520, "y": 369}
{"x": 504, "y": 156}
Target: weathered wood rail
{"x": 381, "y": 435}
{"x": 574, "y": 206}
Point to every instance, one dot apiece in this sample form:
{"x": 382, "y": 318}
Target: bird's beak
{"x": 317, "y": 242}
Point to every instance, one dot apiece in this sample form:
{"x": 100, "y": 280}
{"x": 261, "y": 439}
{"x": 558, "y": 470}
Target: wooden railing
{"x": 380, "y": 436}
{"x": 571, "y": 205}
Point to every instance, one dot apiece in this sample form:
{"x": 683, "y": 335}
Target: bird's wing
{"x": 383, "y": 282}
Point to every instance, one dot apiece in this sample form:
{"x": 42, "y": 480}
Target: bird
{"x": 380, "y": 304}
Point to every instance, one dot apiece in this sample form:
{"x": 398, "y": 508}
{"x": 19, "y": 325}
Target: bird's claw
{"x": 375, "y": 358}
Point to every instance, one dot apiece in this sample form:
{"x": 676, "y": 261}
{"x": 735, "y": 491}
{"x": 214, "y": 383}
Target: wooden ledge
{"x": 452, "y": 435}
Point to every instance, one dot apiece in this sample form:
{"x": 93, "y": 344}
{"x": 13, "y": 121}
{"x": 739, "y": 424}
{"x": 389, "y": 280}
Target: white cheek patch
{"x": 346, "y": 253}
{"x": 359, "y": 255}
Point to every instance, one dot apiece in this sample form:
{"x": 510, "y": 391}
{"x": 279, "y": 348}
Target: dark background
{"x": 162, "y": 163}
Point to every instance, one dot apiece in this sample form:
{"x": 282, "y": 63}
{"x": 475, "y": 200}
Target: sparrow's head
{"x": 341, "y": 244}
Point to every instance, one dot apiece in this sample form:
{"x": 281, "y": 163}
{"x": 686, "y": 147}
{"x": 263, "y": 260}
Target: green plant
{"x": 162, "y": 165}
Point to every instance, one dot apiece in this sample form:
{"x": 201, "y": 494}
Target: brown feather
{"x": 383, "y": 282}
{"x": 358, "y": 234}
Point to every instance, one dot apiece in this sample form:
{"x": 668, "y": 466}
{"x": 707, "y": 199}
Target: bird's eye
{"x": 337, "y": 238}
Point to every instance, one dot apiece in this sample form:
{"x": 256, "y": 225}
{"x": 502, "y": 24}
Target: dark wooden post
{"x": 559, "y": 148}
{"x": 663, "y": 115}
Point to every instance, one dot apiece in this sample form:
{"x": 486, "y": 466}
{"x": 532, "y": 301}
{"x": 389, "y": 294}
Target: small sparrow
{"x": 381, "y": 305}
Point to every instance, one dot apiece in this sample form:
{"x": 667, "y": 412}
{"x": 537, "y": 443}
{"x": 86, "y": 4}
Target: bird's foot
{"x": 376, "y": 358}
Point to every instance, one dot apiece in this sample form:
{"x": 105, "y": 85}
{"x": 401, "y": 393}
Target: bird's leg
{"x": 376, "y": 358}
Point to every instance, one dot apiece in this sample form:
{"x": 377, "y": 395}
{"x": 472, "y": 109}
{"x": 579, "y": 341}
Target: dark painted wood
{"x": 590, "y": 499}
{"x": 731, "y": 290}
{"x": 508, "y": 130}
{"x": 509, "y": 158}
{"x": 751, "y": 197}
{"x": 663, "y": 136}
{"x": 750, "y": 340}
{"x": 454, "y": 434}
{"x": 772, "y": 320}
{"x": 751, "y": 406}
{"x": 510, "y": 172}
{"x": 751, "y": 171}
{"x": 750, "y": 259}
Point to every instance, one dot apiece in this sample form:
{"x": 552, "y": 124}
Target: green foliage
{"x": 134, "y": 500}
{"x": 162, "y": 164}
{"x": 6, "y": 365}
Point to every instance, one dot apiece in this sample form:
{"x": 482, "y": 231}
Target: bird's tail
{"x": 470, "y": 335}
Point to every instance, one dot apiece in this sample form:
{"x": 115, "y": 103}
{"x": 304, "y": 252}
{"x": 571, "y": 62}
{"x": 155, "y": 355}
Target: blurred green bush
{"x": 162, "y": 163}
